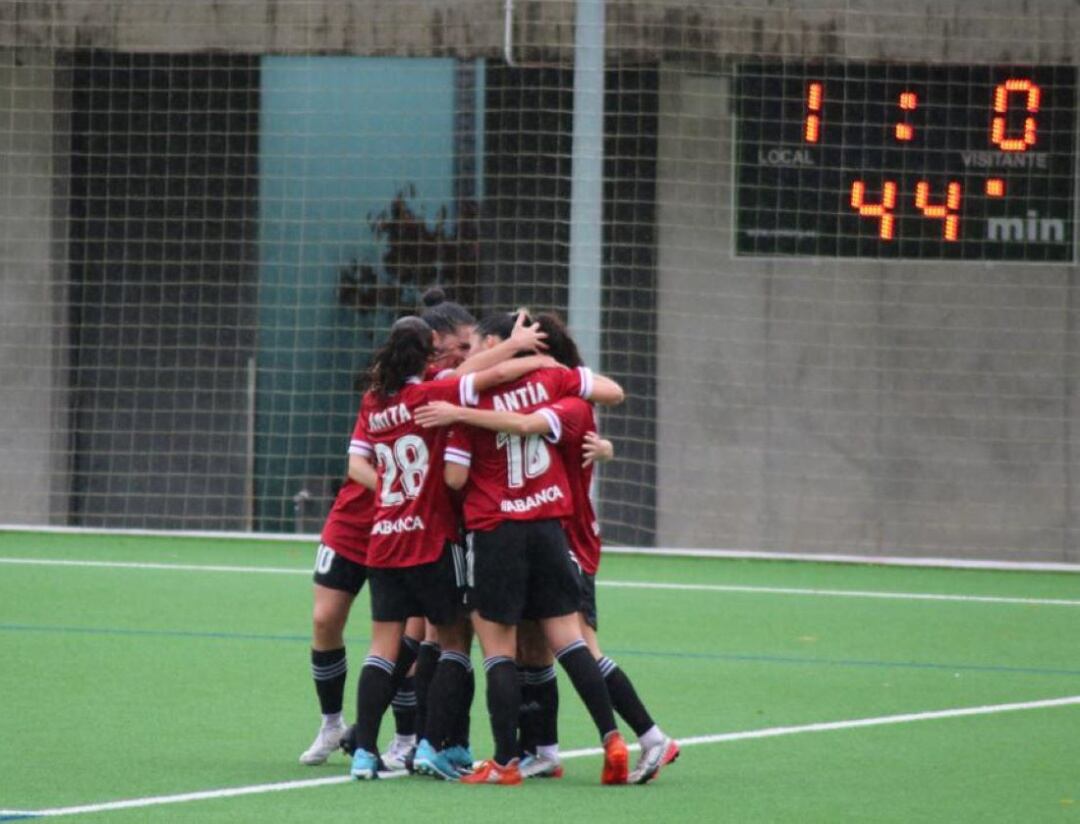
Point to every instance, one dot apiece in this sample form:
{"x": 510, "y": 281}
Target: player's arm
{"x": 511, "y": 370}
{"x": 605, "y": 391}
{"x": 440, "y": 413}
{"x": 361, "y": 471}
{"x": 455, "y": 475}
{"x": 524, "y": 338}
{"x": 595, "y": 449}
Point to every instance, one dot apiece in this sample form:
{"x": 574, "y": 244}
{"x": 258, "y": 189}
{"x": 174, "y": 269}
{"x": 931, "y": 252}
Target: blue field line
{"x": 733, "y": 657}
{"x": 755, "y": 658}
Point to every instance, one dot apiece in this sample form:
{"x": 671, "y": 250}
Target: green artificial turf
{"x": 124, "y": 683}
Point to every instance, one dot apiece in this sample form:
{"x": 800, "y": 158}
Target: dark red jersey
{"x": 413, "y": 516}
{"x": 348, "y": 526}
{"x": 581, "y": 527}
{"x": 515, "y": 478}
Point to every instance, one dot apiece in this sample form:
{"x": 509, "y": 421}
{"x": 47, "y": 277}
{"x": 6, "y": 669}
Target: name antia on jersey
{"x": 531, "y": 394}
{"x": 389, "y": 418}
{"x": 410, "y": 523}
{"x": 530, "y": 502}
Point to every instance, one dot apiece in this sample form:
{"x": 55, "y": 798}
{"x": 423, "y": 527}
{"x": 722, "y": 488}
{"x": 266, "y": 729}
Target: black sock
{"x": 404, "y": 706}
{"x": 373, "y": 694}
{"x": 329, "y": 669}
{"x": 589, "y": 683}
{"x": 446, "y": 698}
{"x": 526, "y": 715}
{"x": 624, "y": 697}
{"x": 426, "y": 660}
{"x": 504, "y": 701}
{"x": 545, "y": 693}
{"x": 460, "y": 736}
{"x": 404, "y": 702}
{"x": 407, "y": 652}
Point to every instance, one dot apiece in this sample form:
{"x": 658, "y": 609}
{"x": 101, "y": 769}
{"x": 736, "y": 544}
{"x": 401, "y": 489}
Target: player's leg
{"x": 500, "y": 581}
{"x": 539, "y": 718}
{"x": 337, "y": 582}
{"x": 404, "y": 702}
{"x": 442, "y": 597}
{"x": 657, "y": 748}
{"x": 391, "y": 605}
{"x": 555, "y": 599}
{"x": 426, "y": 661}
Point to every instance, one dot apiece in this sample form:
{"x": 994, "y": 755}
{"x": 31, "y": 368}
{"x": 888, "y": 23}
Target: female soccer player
{"x": 413, "y": 566}
{"x": 340, "y": 573}
{"x": 516, "y": 492}
{"x": 580, "y": 447}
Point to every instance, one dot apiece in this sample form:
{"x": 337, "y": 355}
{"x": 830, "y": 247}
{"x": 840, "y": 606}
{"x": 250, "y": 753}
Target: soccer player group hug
{"x": 466, "y": 509}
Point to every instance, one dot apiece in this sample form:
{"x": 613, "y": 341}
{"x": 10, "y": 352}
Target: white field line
{"x": 680, "y": 552}
{"x": 733, "y": 588}
{"x": 769, "y": 732}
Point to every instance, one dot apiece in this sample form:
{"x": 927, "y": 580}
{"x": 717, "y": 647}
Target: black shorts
{"x": 335, "y": 571}
{"x": 433, "y": 590}
{"x": 588, "y": 600}
{"x": 523, "y": 569}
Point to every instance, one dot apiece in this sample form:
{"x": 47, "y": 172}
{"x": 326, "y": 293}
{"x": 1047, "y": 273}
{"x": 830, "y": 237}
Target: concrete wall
{"x": 840, "y": 406}
{"x": 33, "y": 416}
{"x": 703, "y": 30}
{"x": 811, "y": 406}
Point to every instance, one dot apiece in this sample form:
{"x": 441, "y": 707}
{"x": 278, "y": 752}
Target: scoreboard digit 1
{"x": 905, "y": 161}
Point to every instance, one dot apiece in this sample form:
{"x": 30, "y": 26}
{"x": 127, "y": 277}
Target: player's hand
{"x": 594, "y": 448}
{"x": 527, "y": 336}
{"x": 437, "y": 413}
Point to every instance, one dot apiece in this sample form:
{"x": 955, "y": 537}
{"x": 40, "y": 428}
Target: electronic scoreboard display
{"x": 905, "y": 161}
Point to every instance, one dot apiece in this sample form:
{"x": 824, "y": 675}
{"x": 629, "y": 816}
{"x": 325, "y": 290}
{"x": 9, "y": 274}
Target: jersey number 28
{"x": 408, "y": 459}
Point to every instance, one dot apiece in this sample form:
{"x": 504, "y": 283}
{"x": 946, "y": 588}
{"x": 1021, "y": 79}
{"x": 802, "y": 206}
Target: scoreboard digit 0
{"x": 905, "y": 161}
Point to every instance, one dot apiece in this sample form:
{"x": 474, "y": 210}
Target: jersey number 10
{"x": 526, "y": 457}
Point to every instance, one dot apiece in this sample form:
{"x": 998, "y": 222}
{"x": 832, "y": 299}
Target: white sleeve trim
{"x": 467, "y": 388}
{"x": 457, "y": 456}
{"x": 555, "y": 435}
{"x": 362, "y": 448}
{"x": 586, "y": 381}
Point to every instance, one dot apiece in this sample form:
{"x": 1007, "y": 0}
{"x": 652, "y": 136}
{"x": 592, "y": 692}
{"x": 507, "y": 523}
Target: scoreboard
{"x": 905, "y": 161}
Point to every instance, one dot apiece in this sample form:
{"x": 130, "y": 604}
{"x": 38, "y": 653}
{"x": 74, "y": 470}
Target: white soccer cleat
{"x": 325, "y": 743}
{"x": 394, "y": 758}
{"x": 652, "y": 759}
{"x": 540, "y": 766}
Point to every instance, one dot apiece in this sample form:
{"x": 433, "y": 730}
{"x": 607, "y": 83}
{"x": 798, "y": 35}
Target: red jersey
{"x": 348, "y": 526}
{"x": 434, "y": 373}
{"x": 582, "y": 528}
{"x": 515, "y": 478}
{"x": 413, "y": 516}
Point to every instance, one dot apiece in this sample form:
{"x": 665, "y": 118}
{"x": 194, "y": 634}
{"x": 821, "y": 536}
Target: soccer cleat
{"x": 460, "y": 757}
{"x": 327, "y": 740}
{"x": 491, "y": 773}
{"x": 396, "y": 757}
{"x": 539, "y": 766}
{"x": 427, "y": 761}
{"x": 652, "y": 759}
{"x": 616, "y": 760}
{"x": 365, "y": 765}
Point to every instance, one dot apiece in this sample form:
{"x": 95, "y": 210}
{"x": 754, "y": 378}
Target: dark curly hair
{"x": 442, "y": 314}
{"x": 559, "y": 343}
{"x": 405, "y": 354}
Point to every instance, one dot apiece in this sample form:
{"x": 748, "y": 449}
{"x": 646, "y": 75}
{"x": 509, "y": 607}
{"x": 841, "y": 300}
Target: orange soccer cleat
{"x": 491, "y": 773}
{"x": 616, "y": 759}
